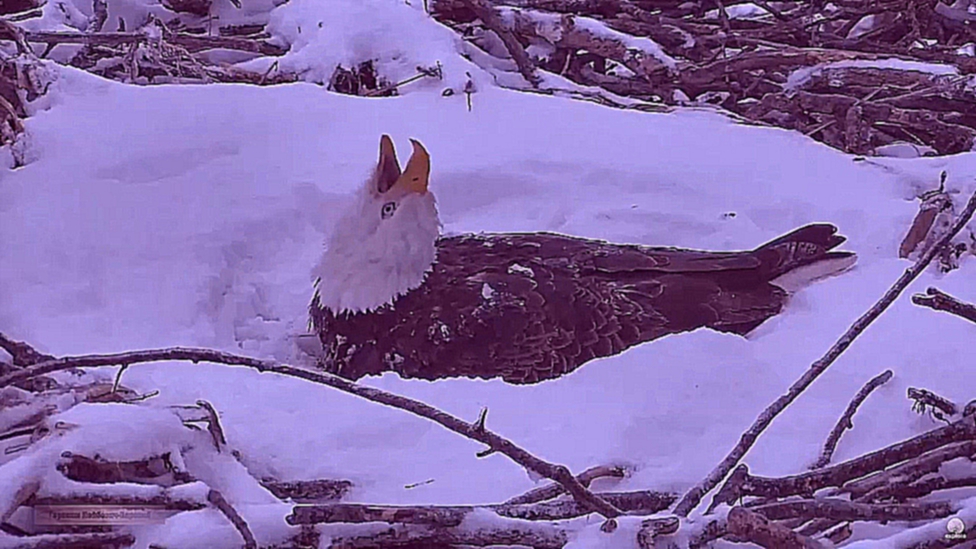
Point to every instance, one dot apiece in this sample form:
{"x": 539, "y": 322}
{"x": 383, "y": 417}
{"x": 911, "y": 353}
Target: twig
{"x": 844, "y": 422}
{"x": 746, "y": 525}
{"x": 941, "y": 407}
{"x": 551, "y": 491}
{"x": 558, "y": 473}
{"x": 693, "y": 497}
{"x": 493, "y": 21}
{"x": 218, "y": 501}
{"x": 941, "y": 301}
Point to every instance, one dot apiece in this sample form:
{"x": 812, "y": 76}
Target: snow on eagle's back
{"x": 383, "y": 246}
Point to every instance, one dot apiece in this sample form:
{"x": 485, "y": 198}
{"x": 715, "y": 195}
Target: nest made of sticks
{"x": 861, "y": 77}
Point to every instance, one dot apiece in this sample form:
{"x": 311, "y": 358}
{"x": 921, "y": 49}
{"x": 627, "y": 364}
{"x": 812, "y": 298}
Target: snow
{"x": 739, "y": 11}
{"x": 400, "y": 37}
{"x": 168, "y": 215}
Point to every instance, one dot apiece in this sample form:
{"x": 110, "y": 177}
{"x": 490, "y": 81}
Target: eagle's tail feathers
{"x": 797, "y": 259}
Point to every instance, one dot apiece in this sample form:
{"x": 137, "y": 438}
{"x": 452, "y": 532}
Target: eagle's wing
{"x": 529, "y": 307}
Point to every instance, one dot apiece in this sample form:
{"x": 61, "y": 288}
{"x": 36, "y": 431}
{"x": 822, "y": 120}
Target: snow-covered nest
{"x": 159, "y": 216}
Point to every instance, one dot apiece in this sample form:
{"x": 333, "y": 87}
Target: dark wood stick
{"x": 841, "y": 509}
{"x": 845, "y": 422}
{"x": 162, "y": 500}
{"x": 940, "y": 407}
{"x": 554, "y": 490}
{"x": 218, "y": 501}
{"x": 644, "y": 502}
{"x": 558, "y": 473}
{"x": 941, "y": 301}
{"x": 749, "y": 526}
{"x": 693, "y": 497}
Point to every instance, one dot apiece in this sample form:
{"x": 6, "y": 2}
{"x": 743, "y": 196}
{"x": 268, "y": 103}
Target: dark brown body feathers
{"x": 531, "y": 307}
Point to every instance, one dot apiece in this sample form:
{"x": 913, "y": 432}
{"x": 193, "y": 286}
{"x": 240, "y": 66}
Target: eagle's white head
{"x": 383, "y": 246}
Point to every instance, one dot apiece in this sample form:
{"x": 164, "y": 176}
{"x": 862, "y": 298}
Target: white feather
{"x": 369, "y": 260}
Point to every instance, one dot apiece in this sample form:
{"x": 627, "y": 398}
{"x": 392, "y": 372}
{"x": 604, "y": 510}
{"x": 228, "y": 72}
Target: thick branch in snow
{"x": 645, "y": 502}
{"x": 23, "y": 354}
{"x": 493, "y": 21}
{"x": 192, "y": 43}
{"x": 747, "y": 526}
{"x": 845, "y": 420}
{"x": 495, "y": 443}
{"x": 841, "y": 509}
{"x": 308, "y": 491}
{"x": 694, "y": 496}
{"x": 537, "y": 536}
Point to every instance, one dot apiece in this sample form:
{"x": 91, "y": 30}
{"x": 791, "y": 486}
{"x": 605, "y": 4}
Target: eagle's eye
{"x": 388, "y": 210}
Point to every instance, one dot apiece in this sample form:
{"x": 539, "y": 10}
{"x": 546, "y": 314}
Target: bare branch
{"x": 558, "y": 473}
{"x": 493, "y": 21}
{"x": 694, "y": 496}
{"x": 845, "y": 420}
{"x": 551, "y": 491}
{"x": 941, "y": 301}
{"x": 744, "y": 484}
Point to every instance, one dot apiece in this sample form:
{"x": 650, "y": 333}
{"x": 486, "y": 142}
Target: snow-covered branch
{"x": 475, "y": 431}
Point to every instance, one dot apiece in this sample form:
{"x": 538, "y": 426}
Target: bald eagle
{"x": 392, "y": 294}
